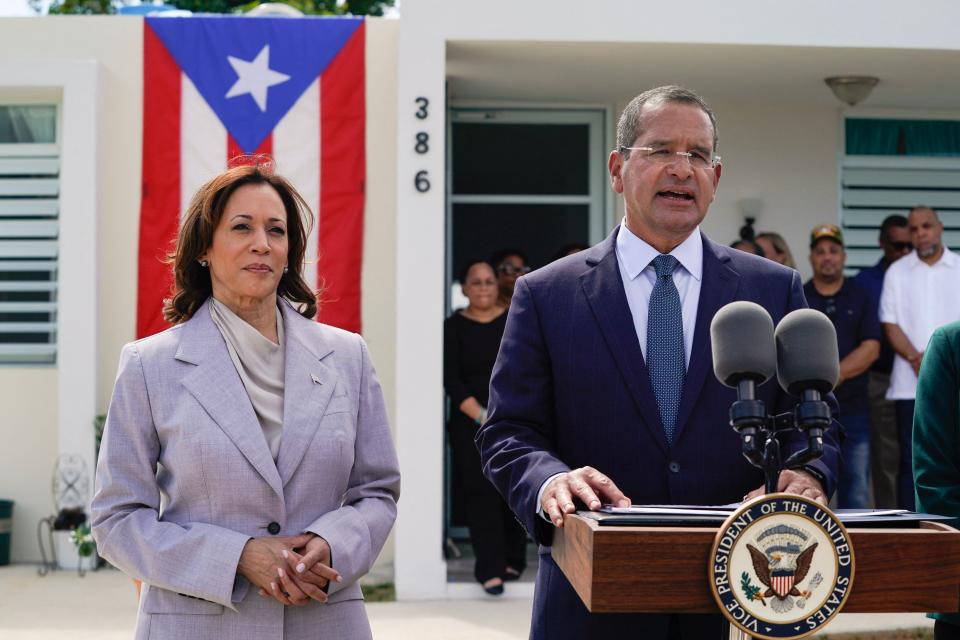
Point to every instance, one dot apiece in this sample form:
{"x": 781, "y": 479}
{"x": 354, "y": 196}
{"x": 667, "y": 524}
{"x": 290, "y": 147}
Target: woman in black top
{"x": 471, "y": 340}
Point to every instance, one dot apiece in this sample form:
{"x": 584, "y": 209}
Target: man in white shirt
{"x": 920, "y": 293}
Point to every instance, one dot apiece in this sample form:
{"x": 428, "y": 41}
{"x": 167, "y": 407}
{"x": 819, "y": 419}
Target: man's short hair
{"x": 923, "y": 207}
{"x": 630, "y": 127}
{"x": 891, "y": 221}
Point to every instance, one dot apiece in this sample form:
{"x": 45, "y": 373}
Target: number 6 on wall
{"x": 421, "y": 181}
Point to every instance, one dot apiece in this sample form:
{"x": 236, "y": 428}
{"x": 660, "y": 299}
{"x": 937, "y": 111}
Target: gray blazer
{"x": 185, "y": 478}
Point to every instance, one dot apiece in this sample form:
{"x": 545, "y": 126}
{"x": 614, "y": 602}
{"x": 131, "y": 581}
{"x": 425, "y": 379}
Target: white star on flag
{"x": 255, "y": 77}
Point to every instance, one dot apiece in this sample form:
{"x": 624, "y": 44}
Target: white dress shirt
{"x": 635, "y": 259}
{"x": 918, "y": 298}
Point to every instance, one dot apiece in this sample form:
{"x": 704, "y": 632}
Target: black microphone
{"x": 744, "y": 356}
{"x": 808, "y": 365}
{"x": 807, "y": 354}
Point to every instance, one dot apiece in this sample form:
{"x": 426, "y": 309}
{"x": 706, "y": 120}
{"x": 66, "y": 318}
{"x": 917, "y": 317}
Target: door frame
{"x": 599, "y": 216}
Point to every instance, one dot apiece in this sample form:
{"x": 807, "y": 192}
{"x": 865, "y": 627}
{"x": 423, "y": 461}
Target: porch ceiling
{"x": 575, "y": 72}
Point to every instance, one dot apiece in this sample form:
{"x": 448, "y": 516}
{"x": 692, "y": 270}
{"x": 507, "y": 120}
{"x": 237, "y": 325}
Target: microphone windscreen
{"x": 807, "y": 354}
{"x": 743, "y": 348}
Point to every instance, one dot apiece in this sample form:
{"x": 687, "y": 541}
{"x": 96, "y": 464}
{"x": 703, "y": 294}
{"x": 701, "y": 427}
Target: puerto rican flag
{"x": 216, "y": 88}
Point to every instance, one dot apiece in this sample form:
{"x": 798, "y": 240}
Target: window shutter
{"x": 29, "y": 208}
{"x": 874, "y": 187}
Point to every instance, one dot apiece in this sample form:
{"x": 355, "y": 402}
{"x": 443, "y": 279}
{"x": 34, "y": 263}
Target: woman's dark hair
{"x": 499, "y": 256}
{"x": 569, "y": 250}
{"x": 469, "y": 264}
{"x": 192, "y": 286}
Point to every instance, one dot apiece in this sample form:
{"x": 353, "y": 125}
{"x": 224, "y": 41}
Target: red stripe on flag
{"x": 342, "y": 178}
{"x": 160, "y": 187}
{"x": 238, "y": 157}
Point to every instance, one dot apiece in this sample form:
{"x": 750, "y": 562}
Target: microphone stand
{"x": 758, "y": 431}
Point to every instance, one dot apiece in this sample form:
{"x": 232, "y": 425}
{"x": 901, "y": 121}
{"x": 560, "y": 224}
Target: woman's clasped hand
{"x": 293, "y": 570}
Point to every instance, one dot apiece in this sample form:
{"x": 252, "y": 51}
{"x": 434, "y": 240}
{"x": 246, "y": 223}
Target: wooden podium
{"x": 629, "y": 569}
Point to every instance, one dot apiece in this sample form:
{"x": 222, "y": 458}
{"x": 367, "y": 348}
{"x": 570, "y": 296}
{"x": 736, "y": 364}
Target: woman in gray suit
{"x": 246, "y": 449}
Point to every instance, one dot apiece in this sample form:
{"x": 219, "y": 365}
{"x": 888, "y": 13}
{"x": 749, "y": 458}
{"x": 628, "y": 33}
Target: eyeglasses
{"x": 902, "y": 246}
{"x": 660, "y": 155}
{"x": 510, "y": 270}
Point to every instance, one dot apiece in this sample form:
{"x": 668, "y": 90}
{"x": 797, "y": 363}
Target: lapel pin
{"x": 314, "y": 377}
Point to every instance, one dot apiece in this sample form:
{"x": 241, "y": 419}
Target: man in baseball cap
{"x": 854, "y": 315}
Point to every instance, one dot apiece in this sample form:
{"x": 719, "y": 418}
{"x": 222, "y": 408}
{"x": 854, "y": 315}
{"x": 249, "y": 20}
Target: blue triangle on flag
{"x": 263, "y": 64}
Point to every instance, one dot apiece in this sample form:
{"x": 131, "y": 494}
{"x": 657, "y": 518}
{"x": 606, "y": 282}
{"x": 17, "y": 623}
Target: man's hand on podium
{"x": 588, "y": 485}
{"x": 796, "y": 481}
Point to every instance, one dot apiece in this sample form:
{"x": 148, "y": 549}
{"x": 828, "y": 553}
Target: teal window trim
{"x": 898, "y": 137}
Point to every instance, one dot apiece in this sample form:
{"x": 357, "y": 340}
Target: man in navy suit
{"x": 603, "y": 390}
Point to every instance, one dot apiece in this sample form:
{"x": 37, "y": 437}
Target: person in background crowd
{"x": 775, "y": 248}
{"x": 747, "y": 246}
{"x": 471, "y": 339}
{"x": 919, "y": 295}
{"x": 510, "y": 264}
{"x": 854, "y": 316}
{"x": 936, "y": 442}
{"x": 569, "y": 250}
{"x": 895, "y": 242}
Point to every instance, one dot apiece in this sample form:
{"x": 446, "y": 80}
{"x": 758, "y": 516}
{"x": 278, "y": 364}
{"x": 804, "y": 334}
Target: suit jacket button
{"x": 273, "y": 528}
{"x": 674, "y": 467}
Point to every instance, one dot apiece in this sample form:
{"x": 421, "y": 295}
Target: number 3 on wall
{"x": 422, "y": 103}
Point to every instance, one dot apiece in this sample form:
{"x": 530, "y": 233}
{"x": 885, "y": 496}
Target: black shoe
{"x": 510, "y": 574}
{"x": 493, "y": 590}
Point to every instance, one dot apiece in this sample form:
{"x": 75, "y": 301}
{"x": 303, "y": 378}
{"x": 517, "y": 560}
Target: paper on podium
{"x": 700, "y": 515}
{"x": 671, "y": 509}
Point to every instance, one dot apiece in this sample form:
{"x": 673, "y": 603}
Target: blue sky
{"x": 15, "y": 8}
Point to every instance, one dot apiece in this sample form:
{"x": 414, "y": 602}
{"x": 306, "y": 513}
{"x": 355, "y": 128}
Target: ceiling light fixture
{"x": 851, "y": 89}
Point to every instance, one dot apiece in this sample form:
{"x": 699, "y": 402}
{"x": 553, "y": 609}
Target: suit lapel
{"x": 308, "y": 387}
{"x": 216, "y": 385}
{"x": 719, "y": 286}
{"x": 604, "y": 291}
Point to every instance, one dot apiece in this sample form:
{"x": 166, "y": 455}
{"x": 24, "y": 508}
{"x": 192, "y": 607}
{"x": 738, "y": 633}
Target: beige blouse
{"x": 260, "y": 364}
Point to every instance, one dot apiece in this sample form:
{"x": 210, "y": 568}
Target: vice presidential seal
{"x": 781, "y": 567}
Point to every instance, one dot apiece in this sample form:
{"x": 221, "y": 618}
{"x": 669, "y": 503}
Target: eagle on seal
{"x": 780, "y": 578}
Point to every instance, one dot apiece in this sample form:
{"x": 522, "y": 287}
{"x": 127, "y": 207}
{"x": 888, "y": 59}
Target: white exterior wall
{"x": 380, "y": 227}
{"x": 56, "y": 404}
{"x": 32, "y": 438}
{"x": 29, "y": 424}
{"x": 885, "y": 24}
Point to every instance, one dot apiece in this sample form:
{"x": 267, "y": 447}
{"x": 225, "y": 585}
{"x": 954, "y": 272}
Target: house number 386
{"x": 421, "y": 145}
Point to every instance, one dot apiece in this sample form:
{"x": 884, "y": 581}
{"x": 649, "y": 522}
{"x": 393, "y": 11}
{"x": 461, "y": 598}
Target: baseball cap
{"x": 830, "y": 231}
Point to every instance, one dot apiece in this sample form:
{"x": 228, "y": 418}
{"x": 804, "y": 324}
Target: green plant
{"x": 383, "y": 592}
{"x": 82, "y": 539}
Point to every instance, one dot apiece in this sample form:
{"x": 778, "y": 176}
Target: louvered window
{"x": 891, "y": 166}
{"x": 29, "y": 206}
